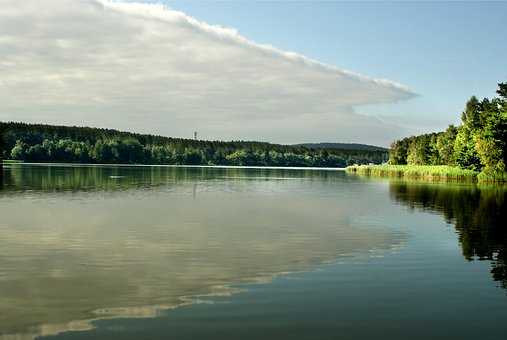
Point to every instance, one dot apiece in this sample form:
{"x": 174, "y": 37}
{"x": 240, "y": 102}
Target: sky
{"x": 284, "y": 72}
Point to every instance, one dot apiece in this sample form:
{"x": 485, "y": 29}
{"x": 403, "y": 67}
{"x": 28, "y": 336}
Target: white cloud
{"x": 147, "y": 68}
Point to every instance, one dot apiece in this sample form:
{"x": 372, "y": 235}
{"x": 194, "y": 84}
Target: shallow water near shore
{"x": 102, "y": 252}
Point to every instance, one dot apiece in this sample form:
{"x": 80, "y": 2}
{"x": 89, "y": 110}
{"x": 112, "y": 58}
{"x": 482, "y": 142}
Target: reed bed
{"x": 430, "y": 172}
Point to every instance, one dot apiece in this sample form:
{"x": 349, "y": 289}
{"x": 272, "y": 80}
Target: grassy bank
{"x": 427, "y": 172}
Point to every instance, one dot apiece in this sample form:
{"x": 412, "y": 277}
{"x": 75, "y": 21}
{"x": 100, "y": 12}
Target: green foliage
{"x": 490, "y": 143}
{"x": 46, "y": 143}
{"x": 471, "y": 115}
{"x": 465, "y": 154}
{"x": 492, "y": 175}
{"x": 19, "y": 150}
{"x": 415, "y": 150}
{"x": 418, "y": 152}
{"x": 502, "y": 91}
{"x": 398, "y": 152}
{"x": 478, "y": 144}
{"x": 445, "y": 145}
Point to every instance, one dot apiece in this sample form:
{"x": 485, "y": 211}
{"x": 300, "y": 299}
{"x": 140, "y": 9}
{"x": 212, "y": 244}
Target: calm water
{"x": 214, "y": 253}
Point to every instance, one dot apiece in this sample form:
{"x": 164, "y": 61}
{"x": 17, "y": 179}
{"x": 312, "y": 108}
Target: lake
{"x": 107, "y": 252}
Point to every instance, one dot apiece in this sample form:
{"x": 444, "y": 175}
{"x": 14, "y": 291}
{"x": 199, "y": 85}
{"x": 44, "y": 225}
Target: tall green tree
{"x": 465, "y": 154}
{"x": 398, "y": 152}
{"x": 445, "y": 145}
{"x": 418, "y": 151}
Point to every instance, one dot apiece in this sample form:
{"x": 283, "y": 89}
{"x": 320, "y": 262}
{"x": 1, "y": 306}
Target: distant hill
{"x": 343, "y": 146}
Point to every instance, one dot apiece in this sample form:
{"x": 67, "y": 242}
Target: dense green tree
{"x": 399, "y": 151}
{"x": 433, "y": 156}
{"x": 417, "y": 152}
{"x": 19, "y": 150}
{"x": 445, "y": 145}
{"x": 46, "y": 143}
{"x": 490, "y": 143}
{"x": 502, "y": 92}
{"x": 471, "y": 114}
{"x": 465, "y": 154}
{"x": 193, "y": 157}
{"x": 102, "y": 152}
{"x": 479, "y": 143}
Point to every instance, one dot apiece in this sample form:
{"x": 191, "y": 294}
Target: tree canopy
{"x": 479, "y": 143}
{"x": 48, "y": 143}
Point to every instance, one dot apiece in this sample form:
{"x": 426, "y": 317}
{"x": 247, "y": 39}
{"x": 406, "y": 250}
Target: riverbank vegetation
{"x": 474, "y": 150}
{"x": 47, "y": 143}
{"x": 431, "y": 172}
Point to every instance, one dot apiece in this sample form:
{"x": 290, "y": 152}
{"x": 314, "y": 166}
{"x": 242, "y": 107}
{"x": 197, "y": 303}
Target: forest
{"x": 49, "y": 143}
{"x": 478, "y": 144}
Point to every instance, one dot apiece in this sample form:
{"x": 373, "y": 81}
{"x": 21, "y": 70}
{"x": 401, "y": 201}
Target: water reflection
{"x": 478, "y": 213}
{"x": 80, "y": 243}
{"x": 55, "y": 178}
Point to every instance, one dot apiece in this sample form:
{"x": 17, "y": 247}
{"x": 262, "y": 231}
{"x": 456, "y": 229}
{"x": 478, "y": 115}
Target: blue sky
{"x": 444, "y": 51}
{"x": 284, "y": 72}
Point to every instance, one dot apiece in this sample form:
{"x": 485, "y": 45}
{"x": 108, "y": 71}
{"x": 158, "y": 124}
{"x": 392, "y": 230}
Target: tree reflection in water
{"x": 477, "y": 212}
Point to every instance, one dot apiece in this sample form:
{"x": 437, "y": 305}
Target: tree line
{"x": 479, "y": 143}
{"x": 48, "y": 143}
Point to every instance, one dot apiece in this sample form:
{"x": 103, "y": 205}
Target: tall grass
{"x": 488, "y": 175}
{"x": 430, "y": 172}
